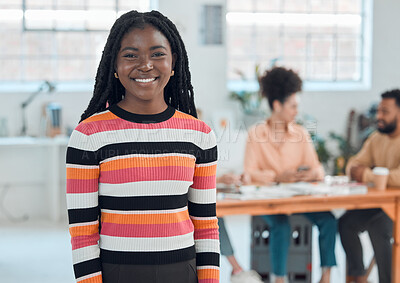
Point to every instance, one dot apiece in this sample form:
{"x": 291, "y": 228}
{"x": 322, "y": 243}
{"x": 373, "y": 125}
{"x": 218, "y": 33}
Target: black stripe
{"x": 83, "y": 157}
{"x": 145, "y": 258}
{"x": 143, "y": 203}
{"x": 87, "y": 267}
{"x": 83, "y": 215}
{"x": 207, "y": 155}
{"x": 207, "y": 259}
{"x": 121, "y": 149}
{"x": 202, "y": 210}
{"x": 142, "y": 118}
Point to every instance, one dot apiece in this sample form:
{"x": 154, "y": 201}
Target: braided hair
{"x": 178, "y": 92}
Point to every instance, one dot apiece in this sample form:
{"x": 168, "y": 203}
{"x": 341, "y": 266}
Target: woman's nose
{"x": 145, "y": 64}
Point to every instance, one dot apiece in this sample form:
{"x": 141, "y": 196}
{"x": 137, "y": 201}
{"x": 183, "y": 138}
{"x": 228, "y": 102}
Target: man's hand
{"x": 357, "y": 172}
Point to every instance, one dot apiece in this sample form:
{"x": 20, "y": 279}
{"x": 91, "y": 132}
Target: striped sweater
{"x": 150, "y": 180}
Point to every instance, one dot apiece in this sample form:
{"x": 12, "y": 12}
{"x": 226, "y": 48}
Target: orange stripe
{"x": 183, "y": 116}
{"x": 205, "y": 224}
{"x": 82, "y": 174}
{"x": 134, "y": 162}
{"x": 95, "y": 279}
{"x": 208, "y": 273}
{"x": 101, "y": 117}
{"x": 84, "y": 230}
{"x": 205, "y": 171}
{"x": 164, "y": 218}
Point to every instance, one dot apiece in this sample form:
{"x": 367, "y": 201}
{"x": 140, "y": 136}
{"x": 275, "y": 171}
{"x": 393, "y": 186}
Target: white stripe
{"x": 80, "y": 141}
{"x": 83, "y": 224}
{"x": 85, "y": 200}
{"x": 146, "y": 188}
{"x": 85, "y": 254}
{"x": 144, "y": 211}
{"x": 100, "y": 139}
{"x": 77, "y": 166}
{"x": 148, "y": 155}
{"x": 146, "y": 244}
{"x": 203, "y": 218}
{"x": 207, "y": 164}
{"x": 202, "y": 196}
{"x": 207, "y": 267}
{"x": 207, "y": 246}
{"x": 88, "y": 276}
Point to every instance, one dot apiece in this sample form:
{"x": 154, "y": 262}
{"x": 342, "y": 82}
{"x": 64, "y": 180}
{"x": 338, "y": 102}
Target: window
{"x": 56, "y": 40}
{"x": 326, "y": 41}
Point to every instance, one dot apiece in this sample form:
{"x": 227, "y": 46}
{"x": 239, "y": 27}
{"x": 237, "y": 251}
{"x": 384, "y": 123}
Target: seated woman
{"x": 278, "y": 150}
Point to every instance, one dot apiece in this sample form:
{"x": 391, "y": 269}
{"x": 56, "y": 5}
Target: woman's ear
{"x": 277, "y": 106}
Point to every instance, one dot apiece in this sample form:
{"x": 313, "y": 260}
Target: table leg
{"x": 396, "y": 244}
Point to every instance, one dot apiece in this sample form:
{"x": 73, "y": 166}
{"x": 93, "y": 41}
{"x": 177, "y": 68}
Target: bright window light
{"x": 11, "y": 15}
{"x": 328, "y": 42}
{"x": 292, "y": 19}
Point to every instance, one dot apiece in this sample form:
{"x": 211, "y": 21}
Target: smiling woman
{"x": 144, "y": 66}
{"x": 143, "y": 164}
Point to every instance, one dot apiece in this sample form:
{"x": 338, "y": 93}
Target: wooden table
{"x": 388, "y": 200}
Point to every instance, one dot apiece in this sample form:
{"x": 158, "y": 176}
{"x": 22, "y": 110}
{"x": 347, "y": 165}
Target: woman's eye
{"x": 158, "y": 54}
{"x": 129, "y": 56}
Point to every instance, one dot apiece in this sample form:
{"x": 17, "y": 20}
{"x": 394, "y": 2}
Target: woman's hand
{"x": 288, "y": 176}
{"x": 230, "y": 179}
{"x": 307, "y": 176}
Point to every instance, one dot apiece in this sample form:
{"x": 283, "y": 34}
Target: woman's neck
{"x": 277, "y": 124}
{"x": 147, "y": 108}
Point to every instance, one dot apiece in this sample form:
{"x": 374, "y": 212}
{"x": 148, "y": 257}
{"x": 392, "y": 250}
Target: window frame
{"x": 75, "y": 86}
{"x": 363, "y": 84}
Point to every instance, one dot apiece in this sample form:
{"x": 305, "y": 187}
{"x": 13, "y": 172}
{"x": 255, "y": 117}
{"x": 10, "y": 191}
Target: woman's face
{"x": 288, "y": 110}
{"x": 144, "y": 65}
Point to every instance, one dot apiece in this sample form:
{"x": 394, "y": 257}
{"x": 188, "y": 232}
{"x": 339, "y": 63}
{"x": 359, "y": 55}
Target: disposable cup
{"x": 381, "y": 175}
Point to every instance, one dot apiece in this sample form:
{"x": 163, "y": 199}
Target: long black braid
{"x": 178, "y": 92}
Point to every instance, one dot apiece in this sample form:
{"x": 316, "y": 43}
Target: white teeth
{"x": 145, "y": 80}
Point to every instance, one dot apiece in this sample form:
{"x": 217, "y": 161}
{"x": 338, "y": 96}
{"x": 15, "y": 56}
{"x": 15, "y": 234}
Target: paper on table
{"x": 323, "y": 189}
{"x": 293, "y": 189}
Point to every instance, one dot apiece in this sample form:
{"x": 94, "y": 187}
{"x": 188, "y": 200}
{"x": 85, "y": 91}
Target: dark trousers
{"x": 181, "y": 272}
{"x": 380, "y": 230}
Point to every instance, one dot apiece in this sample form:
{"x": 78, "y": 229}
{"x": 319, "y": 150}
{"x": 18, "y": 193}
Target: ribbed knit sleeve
{"x": 202, "y": 210}
{"x": 83, "y": 209}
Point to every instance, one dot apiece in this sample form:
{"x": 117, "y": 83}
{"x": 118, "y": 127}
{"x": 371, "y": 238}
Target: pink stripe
{"x": 75, "y": 186}
{"x": 208, "y": 281}
{"x": 204, "y": 182}
{"x": 120, "y": 124}
{"x": 206, "y": 234}
{"x": 84, "y": 241}
{"x": 147, "y": 230}
{"x": 138, "y": 174}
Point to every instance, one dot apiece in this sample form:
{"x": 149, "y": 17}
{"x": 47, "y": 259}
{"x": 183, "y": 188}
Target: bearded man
{"x": 381, "y": 149}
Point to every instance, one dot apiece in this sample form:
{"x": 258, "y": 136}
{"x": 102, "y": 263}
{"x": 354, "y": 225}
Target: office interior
{"x": 39, "y": 108}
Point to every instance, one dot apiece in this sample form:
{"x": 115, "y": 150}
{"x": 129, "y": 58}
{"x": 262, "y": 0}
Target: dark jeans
{"x": 181, "y": 272}
{"x": 380, "y": 230}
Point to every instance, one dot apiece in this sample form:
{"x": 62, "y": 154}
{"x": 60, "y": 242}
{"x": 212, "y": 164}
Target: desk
{"x": 388, "y": 200}
{"x": 35, "y": 163}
